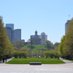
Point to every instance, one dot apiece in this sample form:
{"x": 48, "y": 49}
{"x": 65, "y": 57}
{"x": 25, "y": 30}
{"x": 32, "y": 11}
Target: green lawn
{"x": 42, "y": 60}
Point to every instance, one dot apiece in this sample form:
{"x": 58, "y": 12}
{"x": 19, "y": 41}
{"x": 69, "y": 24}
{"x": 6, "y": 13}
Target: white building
{"x": 43, "y": 38}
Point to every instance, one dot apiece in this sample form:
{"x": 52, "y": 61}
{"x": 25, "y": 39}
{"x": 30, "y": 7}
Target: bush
{"x": 20, "y": 54}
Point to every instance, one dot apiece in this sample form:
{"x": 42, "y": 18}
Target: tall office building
{"x": 68, "y": 26}
{"x": 14, "y": 35}
{"x": 10, "y": 26}
{"x": 9, "y": 30}
{"x": 17, "y": 35}
{"x": 9, "y": 33}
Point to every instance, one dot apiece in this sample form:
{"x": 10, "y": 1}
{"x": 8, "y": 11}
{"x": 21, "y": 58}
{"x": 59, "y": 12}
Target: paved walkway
{"x": 66, "y": 61}
{"x": 9, "y": 59}
{"x": 6, "y": 60}
{"x": 48, "y": 68}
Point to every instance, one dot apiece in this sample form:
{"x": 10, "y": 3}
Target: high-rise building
{"x": 68, "y": 26}
{"x": 10, "y": 26}
{"x": 9, "y": 30}
{"x": 43, "y": 38}
{"x": 17, "y": 35}
{"x": 14, "y": 35}
{"x": 9, "y": 33}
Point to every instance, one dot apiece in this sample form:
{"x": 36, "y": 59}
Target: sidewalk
{"x": 1, "y": 62}
{"x": 66, "y": 61}
{"x": 9, "y": 59}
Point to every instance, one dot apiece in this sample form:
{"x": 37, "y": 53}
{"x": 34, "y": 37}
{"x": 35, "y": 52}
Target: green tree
{"x": 51, "y": 53}
{"x": 21, "y": 53}
{"x": 56, "y": 45}
{"x": 49, "y": 45}
{"x": 6, "y": 48}
{"x": 19, "y": 44}
{"x": 66, "y": 46}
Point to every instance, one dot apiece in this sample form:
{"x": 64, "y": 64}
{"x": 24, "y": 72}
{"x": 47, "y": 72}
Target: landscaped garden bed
{"x": 28, "y": 60}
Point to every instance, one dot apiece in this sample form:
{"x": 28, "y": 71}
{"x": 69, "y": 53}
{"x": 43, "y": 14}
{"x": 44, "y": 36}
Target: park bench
{"x": 35, "y": 63}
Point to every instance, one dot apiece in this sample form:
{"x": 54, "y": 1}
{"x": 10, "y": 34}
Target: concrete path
{"x": 66, "y": 61}
{"x": 48, "y": 68}
{"x": 9, "y": 59}
{"x": 6, "y": 60}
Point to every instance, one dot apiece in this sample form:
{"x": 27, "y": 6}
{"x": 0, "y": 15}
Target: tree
{"x": 6, "y": 47}
{"x": 19, "y": 44}
{"x": 21, "y": 53}
{"x": 66, "y": 46}
{"x": 49, "y": 45}
{"x": 56, "y": 45}
{"x": 51, "y": 53}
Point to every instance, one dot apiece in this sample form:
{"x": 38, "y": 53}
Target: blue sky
{"x": 47, "y": 16}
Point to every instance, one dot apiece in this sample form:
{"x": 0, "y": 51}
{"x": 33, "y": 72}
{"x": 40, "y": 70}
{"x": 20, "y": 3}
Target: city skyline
{"x": 14, "y": 35}
{"x": 42, "y": 15}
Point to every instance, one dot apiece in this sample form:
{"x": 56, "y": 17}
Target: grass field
{"x": 42, "y": 60}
